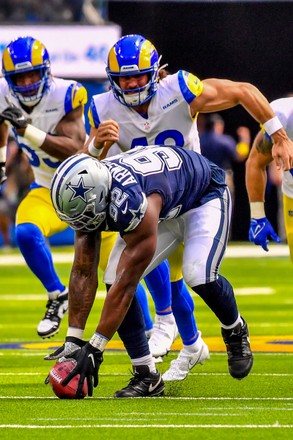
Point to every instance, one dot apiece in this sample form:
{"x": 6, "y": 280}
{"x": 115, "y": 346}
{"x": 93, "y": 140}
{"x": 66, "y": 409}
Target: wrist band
{"x": 93, "y": 150}
{"x": 75, "y": 332}
{"x": 257, "y": 210}
{"x": 99, "y": 341}
{"x": 35, "y": 135}
{"x": 272, "y": 125}
{"x": 3, "y": 151}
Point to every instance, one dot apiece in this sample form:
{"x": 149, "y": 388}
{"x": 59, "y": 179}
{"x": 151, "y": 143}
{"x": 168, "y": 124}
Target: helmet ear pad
{"x": 133, "y": 55}
{"x": 23, "y": 55}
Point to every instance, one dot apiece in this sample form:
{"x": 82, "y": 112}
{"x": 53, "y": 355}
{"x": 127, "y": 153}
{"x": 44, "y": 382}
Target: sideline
{"x": 233, "y": 251}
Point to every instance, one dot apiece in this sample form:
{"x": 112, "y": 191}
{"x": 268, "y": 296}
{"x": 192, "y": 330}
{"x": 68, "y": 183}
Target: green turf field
{"x": 209, "y": 404}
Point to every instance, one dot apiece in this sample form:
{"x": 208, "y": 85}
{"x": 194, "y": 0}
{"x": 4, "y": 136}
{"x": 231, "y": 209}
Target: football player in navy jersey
{"x": 156, "y": 197}
{"x": 145, "y": 107}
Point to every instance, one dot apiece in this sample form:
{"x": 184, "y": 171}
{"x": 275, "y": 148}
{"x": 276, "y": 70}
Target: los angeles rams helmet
{"x": 80, "y": 190}
{"x": 133, "y": 55}
{"x": 23, "y": 55}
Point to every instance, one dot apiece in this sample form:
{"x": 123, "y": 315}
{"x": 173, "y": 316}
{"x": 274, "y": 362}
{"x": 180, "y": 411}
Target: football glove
{"x": 15, "y": 116}
{"x": 260, "y": 231}
{"x": 70, "y": 346}
{"x": 88, "y": 360}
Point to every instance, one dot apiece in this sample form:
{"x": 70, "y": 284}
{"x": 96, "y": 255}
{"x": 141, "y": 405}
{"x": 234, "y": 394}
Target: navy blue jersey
{"x": 183, "y": 178}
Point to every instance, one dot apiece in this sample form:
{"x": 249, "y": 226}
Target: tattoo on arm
{"x": 265, "y": 145}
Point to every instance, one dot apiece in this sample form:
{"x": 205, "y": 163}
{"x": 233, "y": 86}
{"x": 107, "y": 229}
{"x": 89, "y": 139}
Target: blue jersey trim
{"x": 95, "y": 115}
{"x": 186, "y": 92}
{"x": 68, "y": 99}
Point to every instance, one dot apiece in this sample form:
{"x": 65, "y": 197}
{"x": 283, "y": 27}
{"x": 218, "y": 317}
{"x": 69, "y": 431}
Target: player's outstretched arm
{"x": 260, "y": 157}
{"x": 221, "y": 94}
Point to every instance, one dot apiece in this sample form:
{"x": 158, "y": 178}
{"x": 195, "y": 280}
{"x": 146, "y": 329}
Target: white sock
{"x": 145, "y": 360}
{"x": 229, "y": 327}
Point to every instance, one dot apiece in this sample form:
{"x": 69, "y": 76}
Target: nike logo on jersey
{"x": 152, "y": 387}
{"x": 125, "y": 209}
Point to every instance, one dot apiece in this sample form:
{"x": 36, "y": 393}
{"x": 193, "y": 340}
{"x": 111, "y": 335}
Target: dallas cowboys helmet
{"x": 27, "y": 54}
{"x": 79, "y": 192}
{"x": 133, "y": 55}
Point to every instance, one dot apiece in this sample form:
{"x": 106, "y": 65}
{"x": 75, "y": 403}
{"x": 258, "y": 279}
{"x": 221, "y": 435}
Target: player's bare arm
{"x": 83, "y": 278}
{"x": 256, "y": 177}
{"x": 70, "y": 136}
{"x": 221, "y": 94}
{"x": 139, "y": 250}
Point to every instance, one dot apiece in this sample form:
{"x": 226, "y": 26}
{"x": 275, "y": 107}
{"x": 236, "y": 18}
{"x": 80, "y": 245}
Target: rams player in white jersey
{"x": 141, "y": 110}
{"x": 158, "y": 114}
{"x": 261, "y": 230}
{"x": 47, "y": 118}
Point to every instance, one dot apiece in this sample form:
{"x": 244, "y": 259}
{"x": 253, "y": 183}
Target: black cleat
{"x": 240, "y": 357}
{"x": 143, "y": 384}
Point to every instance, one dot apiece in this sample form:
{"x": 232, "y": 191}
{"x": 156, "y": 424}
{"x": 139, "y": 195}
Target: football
{"x": 59, "y": 372}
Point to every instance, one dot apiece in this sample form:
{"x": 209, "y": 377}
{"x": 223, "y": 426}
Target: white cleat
{"x": 181, "y": 366}
{"x": 164, "y": 333}
{"x": 56, "y": 307}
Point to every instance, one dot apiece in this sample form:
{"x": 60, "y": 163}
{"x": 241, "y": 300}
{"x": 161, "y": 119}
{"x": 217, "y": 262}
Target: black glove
{"x": 15, "y": 116}
{"x": 70, "y": 346}
{"x": 3, "y": 176}
{"x": 88, "y": 360}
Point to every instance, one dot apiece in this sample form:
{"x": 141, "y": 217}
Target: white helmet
{"x": 79, "y": 192}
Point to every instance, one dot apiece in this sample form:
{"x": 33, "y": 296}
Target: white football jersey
{"x": 55, "y": 104}
{"x": 167, "y": 122}
{"x": 284, "y": 110}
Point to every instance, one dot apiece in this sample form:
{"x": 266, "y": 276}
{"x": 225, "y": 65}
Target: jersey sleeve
{"x": 127, "y": 208}
{"x": 76, "y": 96}
{"x": 191, "y": 87}
{"x": 93, "y": 117}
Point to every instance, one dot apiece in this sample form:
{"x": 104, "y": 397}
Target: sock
{"x": 37, "y": 255}
{"x": 230, "y": 327}
{"x": 146, "y": 360}
{"x": 158, "y": 283}
{"x": 183, "y": 308}
{"x": 132, "y": 332}
{"x": 220, "y": 298}
{"x": 143, "y": 301}
{"x": 193, "y": 346}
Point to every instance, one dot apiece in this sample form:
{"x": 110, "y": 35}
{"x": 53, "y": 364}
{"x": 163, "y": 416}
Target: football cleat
{"x": 181, "y": 366}
{"x": 143, "y": 384}
{"x": 164, "y": 333}
{"x": 240, "y": 357}
{"x": 56, "y": 309}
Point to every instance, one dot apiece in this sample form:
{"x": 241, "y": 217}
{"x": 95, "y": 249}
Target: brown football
{"x": 58, "y": 373}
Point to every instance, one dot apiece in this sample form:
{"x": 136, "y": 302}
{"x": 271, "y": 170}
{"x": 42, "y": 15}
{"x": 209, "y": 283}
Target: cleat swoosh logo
{"x": 152, "y": 387}
{"x": 91, "y": 356}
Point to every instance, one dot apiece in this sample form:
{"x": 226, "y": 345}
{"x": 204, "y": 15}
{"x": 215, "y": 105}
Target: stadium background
{"x": 246, "y": 41}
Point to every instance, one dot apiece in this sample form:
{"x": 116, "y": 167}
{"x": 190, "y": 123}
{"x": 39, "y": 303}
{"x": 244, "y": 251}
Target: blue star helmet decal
{"x": 79, "y": 191}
